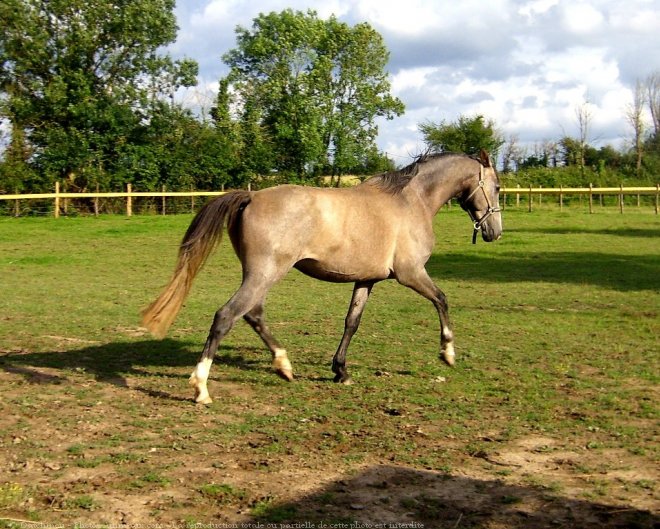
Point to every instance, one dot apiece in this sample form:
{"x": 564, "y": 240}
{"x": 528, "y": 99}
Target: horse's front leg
{"x": 361, "y": 293}
{"x": 421, "y": 283}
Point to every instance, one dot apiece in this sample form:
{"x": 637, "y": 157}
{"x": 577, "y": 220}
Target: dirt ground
{"x": 533, "y": 482}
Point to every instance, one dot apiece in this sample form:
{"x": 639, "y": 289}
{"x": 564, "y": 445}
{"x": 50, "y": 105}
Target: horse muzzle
{"x": 490, "y": 225}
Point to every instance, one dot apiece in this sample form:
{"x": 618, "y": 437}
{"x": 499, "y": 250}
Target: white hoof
{"x": 282, "y": 366}
{"x": 201, "y": 392}
{"x": 203, "y": 399}
{"x": 448, "y": 355}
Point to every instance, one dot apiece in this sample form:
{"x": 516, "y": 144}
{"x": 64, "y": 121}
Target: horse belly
{"x": 347, "y": 258}
{"x": 339, "y": 273}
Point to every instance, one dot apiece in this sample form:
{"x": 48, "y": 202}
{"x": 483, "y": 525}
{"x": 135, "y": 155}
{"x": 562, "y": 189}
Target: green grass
{"x": 556, "y": 332}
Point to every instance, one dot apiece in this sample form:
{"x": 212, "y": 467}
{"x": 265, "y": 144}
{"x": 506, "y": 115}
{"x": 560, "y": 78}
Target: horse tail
{"x": 201, "y": 238}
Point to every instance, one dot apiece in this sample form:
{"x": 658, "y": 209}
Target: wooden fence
{"x": 517, "y": 196}
{"x": 590, "y": 192}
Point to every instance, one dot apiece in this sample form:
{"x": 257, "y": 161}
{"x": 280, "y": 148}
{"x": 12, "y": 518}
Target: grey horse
{"x": 380, "y": 229}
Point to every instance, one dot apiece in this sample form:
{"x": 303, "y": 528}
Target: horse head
{"x": 480, "y": 199}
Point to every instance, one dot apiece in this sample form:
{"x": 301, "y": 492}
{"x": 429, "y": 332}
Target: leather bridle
{"x": 479, "y": 222}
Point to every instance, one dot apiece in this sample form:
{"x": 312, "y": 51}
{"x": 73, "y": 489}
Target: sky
{"x": 527, "y": 65}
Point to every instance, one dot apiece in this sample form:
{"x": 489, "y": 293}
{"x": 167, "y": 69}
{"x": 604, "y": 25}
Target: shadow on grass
{"x": 617, "y": 272}
{"x": 390, "y": 496}
{"x": 114, "y": 363}
{"x": 619, "y": 232}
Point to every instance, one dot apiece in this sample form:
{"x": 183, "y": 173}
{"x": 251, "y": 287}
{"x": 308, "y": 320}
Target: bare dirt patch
{"x": 97, "y": 463}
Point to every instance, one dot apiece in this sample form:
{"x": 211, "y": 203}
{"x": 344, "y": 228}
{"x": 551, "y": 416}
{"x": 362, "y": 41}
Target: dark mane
{"x": 394, "y": 182}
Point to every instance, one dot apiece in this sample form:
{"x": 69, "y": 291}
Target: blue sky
{"x": 527, "y": 65}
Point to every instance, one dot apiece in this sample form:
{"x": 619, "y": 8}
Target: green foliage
{"x": 82, "y": 85}
{"x": 468, "y": 135}
{"x": 90, "y": 101}
{"x": 604, "y": 167}
{"x": 310, "y": 91}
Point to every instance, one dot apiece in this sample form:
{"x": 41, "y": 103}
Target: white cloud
{"x": 526, "y": 64}
{"x": 581, "y": 18}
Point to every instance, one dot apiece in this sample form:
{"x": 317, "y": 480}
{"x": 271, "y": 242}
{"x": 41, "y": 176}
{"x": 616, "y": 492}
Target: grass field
{"x": 549, "y": 419}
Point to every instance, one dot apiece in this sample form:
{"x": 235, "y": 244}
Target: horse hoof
{"x": 346, "y": 380}
{"x": 283, "y": 367}
{"x": 450, "y": 360}
{"x": 206, "y": 400}
{"x": 286, "y": 374}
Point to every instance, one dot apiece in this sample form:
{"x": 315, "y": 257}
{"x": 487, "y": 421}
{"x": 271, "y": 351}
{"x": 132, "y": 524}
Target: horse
{"x": 377, "y": 230}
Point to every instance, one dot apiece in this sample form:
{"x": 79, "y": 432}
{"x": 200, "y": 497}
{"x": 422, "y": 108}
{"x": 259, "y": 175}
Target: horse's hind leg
{"x": 281, "y": 364}
{"x": 245, "y": 298}
{"x": 358, "y": 301}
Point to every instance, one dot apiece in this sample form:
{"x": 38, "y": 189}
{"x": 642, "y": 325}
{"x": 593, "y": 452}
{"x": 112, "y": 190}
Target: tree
{"x": 570, "y": 151}
{"x": 258, "y": 155}
{"x": 512, "y": 155}
{"x": 635, "y": 117}
{"x": 315, "y": 85}
{"x": 354, "y": 70}
{"x": 467, "y": 135}
{"x": 79, "y": 79}
{"x": 583, "y": 116}
{"x": 653, "y": 99}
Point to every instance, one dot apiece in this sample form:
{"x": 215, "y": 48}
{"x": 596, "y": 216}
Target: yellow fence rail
{"x": 59, "y": 198}
{"x": 516, "y": 193}
{"x": 591, "y": 191}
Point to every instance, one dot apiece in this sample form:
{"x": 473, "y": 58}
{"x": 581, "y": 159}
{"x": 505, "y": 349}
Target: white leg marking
{"x": 281, "y": 364}
{"x": 198, "y": 380}
{"x": 448, "y": 354}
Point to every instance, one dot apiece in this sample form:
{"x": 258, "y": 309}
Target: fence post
{"x": 163, "y": 211}
{"x": 96, "y": 201}
{"x": 529, "y": 208}
{"x": 17, "y": 206}
{"x": 591, "y": 198}
{"x": 621, "y": 198}
{"x": 57, "y": 200}
{"x": 129, "y": 200}
{"x": 561, "y": 198}
{"x": 657, "y": 196}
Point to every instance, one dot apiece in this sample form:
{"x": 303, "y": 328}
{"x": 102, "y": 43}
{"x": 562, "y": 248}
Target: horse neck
{"x": 441, "y": 179}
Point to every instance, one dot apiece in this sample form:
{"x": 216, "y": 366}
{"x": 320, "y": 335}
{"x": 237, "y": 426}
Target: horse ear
{"x": 484, "y": 158}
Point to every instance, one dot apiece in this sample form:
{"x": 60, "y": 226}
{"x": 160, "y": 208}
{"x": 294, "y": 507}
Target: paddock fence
{"x": 165, "y": 202}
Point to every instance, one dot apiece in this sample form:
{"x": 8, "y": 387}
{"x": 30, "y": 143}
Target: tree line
{"x": 87, "y": 98}
{"x": 570, "y": 161}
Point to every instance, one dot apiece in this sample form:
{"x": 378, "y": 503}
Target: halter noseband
{"x": 478, "y": 223}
